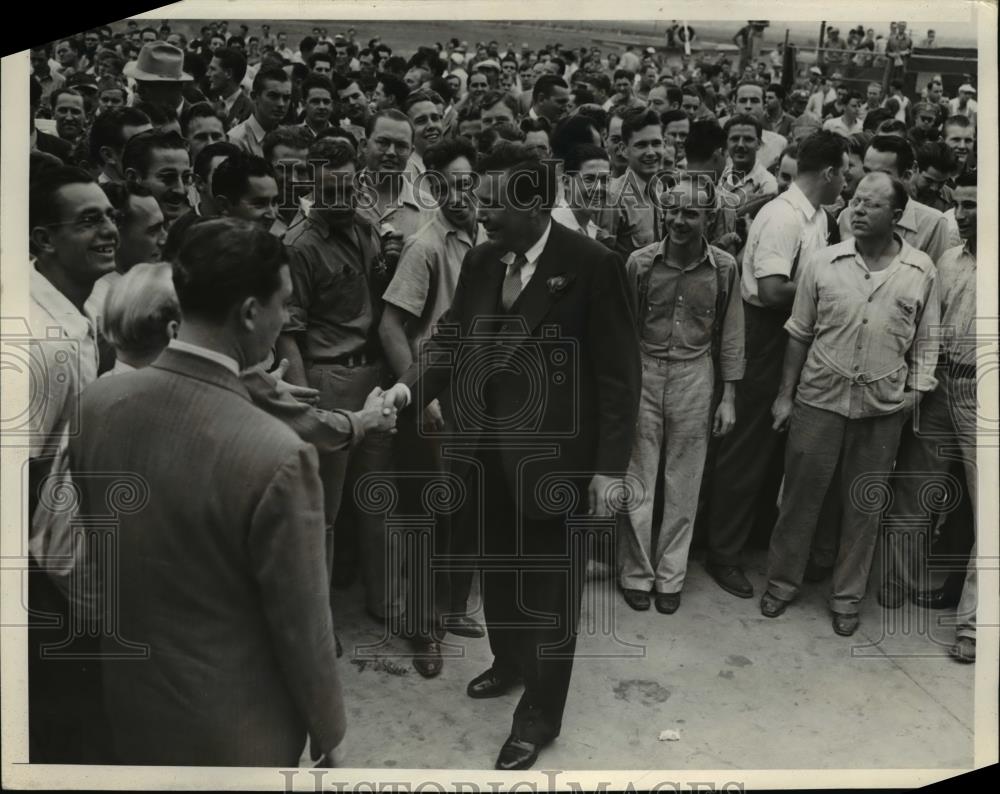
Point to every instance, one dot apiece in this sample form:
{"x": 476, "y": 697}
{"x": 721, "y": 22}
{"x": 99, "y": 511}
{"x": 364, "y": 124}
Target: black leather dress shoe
{"x": 489, "y": 685}
{"x": 517, "y": 754}
{"x": 427, "y": 657}
{"x": 464, "y": 626}
{"x": 667, "y": 603}
{"x": 939, "y": 598}
{"x": 731, "y": 579}
{"x": 637, "y": 599}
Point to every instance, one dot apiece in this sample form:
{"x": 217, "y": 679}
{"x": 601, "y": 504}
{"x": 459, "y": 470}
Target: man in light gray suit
{"x": 221, "y": 570}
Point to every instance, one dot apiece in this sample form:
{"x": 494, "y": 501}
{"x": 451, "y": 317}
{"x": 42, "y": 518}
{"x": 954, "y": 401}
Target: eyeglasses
{"x": 93, "y": 220}
{"x": 867, "y": 204}
{"x": 383, "y": 145}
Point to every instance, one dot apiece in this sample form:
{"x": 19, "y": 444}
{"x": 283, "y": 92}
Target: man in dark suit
{"x": 541, "y": 354}
{"x": 220, "y": 568}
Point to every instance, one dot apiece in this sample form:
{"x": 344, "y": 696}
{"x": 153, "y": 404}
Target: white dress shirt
{"x": 531, "y": 255}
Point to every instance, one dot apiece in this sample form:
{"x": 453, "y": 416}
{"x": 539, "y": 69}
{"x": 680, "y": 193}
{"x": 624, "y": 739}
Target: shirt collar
{"x": 59, "y": 307}
{"x": 706, "y": 253}
{"x": 905, "y": 254}
{"x": 753, "y": 176}
{"x": 532, "y": 254}
{"x": 229, "y": 100}
{"x": 797, "y": 199}
{"x": 908, "y": 220}
{"x": 446, "y": 227}
{"x": 253, "y": 126}
{"x": 203, "y": 352}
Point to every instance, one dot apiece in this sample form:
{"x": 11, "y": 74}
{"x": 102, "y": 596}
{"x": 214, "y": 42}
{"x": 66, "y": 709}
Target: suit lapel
{"x": 534, "y": 301}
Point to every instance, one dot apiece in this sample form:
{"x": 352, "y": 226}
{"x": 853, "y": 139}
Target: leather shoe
{"x": 845, "y": 625}
{"x": 464, "y": 626}
{"x": 891, "y": 595}
{"x": 731, "y": 579}
{"x": 637, "y": 599}
{"x": 771, "y": 606}
{"x": 939, "y": 598}
{"x": 964, "y": 650}
{"x": 816, "y": 573}
{"x": 489, "y": 685}
{"x": 667, "y": 603}
{"x": 517, "y": 753}
{"x": 427, "y": 657}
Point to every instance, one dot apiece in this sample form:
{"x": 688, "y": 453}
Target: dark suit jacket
{"x": 53, "y": 144}
{"x": 221, "y": 570}
{"x": 241, "y": 110}
{"x": 577, "y": 373}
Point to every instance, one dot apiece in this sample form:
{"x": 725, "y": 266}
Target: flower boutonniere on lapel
{"x": 559, "y": 284}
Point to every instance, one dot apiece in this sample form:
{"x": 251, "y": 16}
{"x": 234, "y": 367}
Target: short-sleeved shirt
{"x": 332, "y": 304}
{"x": 736, "y": 191}
{"x": 841, "y": 127}
{"x": 680, "y": 316}
{"x": 787, "y": 230}
{"x": 957, "y": 277}
{"x": 870, "y": 335}
{"x": 427, "y": 274}
{"x": 406, "y": 214}
{"x": 64, "y": 342}
{"x": 921, "y": 226}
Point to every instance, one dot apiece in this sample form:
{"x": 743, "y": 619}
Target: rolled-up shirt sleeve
{"x": 777, "y": 245}
{"x": 801, "y": 326}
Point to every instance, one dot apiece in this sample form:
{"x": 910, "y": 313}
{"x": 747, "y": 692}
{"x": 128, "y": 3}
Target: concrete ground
{"x": 743, "y": 691}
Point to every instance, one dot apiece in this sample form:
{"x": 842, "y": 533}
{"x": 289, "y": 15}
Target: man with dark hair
{"x": 226, "y": 71}
{"x": 108, "y": 136}
{"x": 422, "y": 288}
{"x": 246, "y": 187}
{"x": 70, "y": 114}
{"x": 635, "y": 220}
{"x": 750, "y": 102}
{"x": 928, "y": 182}
{"x": 318, "y": 103}
{"x": 746, "y": 183}
{"x": 946, "y": 422}
{"x": 855, "y": 368}
{"x": 286, "y": 150}
{"x": 850, "y": 121}
{"x": 232, "y": 282}
{"x": 527, "y": 265}
{"x": 73, "y": 236}
{"x": 705, "y": 151}
{"x": 331, "y": 342}
{"x": 201, "y": 127}
{"x": 390, "y": 92}
{"x": 272, "y": 95}
{"x": 549, "y": 98}
{"x": 662, "y": 98}
{"x": 585, "y": 174}
{"x": 351, "y": 99}
{"x": 42, "y": 141}
{"x": 923, "y": 227}
{"x": 469, "y": 124}
{"x": 161, "y": 163}
{"x": 747, "y": 472}
{"x": 205, "y": 163}
{"x": 676, "y": 130}
{"x": 320, "y": 63}
{"x": 774, "y": 111}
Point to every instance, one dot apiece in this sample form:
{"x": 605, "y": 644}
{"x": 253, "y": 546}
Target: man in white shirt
{"x": 850, "y": 122}
{"x": 745, "y": 180}
{"x": 750, "y": 102}
{"x": 586, "y": 170}
{"x": 786, "y": 232}
{"x": 272, "y": 93}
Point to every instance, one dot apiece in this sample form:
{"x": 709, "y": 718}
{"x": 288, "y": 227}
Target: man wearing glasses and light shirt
{"x": 860, "y": 356}
{"x": 160, "y": 162}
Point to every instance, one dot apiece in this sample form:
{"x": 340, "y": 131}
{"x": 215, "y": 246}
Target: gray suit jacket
{"x": 221, "y": 570}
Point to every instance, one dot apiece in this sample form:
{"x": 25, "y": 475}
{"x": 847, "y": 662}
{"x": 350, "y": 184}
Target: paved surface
{"x": 743, "y": 691}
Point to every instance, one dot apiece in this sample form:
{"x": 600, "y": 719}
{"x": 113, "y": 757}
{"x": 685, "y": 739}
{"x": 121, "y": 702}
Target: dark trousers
{"x": 433, "y": 588}
{"x": 747, "y": 471}
{"x": 532, "y": 587}
{"x": 67, "y": 723}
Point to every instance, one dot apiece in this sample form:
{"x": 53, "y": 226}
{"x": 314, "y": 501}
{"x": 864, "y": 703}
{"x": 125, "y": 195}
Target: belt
{"x": 360, "y": 359}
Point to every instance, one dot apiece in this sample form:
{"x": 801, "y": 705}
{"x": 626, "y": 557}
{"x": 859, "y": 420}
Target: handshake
{"x": 379, "y": 413}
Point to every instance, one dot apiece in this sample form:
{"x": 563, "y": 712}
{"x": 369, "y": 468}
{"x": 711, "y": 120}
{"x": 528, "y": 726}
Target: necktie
{"x": 512, "y": 283}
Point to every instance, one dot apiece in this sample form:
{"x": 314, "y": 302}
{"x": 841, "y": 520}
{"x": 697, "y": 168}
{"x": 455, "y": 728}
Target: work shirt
{"x": 636, "y": 213}
{"x": 427, "y": 274}
{"x": 680, "y": 314}
{"x": 737, "y": 190}
{"x": 404, "y": 213}
{"x": 249, "y": 136}
{"x": 921, "y": 226}
{"x": 869, "y": 333}
{"x": 332, "y": 305}
{"x": 786, "y": 231}
{"x": 956, "y": 270}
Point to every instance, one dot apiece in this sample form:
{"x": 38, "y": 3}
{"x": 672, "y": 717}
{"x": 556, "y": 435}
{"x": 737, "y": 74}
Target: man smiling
{"x": 424, "y": 109}
{"x": 272, "y": 93}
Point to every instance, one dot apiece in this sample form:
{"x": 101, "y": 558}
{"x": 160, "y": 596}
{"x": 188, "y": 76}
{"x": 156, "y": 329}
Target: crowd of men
{"x": 251, "y": 249}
